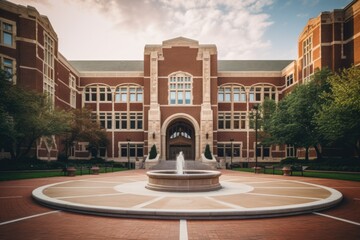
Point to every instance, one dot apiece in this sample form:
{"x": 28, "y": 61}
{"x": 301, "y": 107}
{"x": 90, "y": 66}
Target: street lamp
{"x": 256, "y": 108}
{"x": 232, "y": 152}
{"x": 128, "y": 152}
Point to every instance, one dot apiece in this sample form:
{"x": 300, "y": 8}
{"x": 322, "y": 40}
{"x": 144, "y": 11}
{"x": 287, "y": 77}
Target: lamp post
{"x": 232, "y": 152}
{"x": 128, "y": 152}
{"x": 256, "y": 108}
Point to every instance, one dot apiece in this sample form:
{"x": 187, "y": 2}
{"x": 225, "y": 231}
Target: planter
{"x": 257, "y": 169}
{"x": 286, "y": 171}
{"x": 71, "y": 171}
{"x": 95, "y": 170}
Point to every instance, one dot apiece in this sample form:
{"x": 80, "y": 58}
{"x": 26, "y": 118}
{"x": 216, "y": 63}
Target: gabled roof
{"x": 252, "y": 65}
{"x": 108, "y": 66}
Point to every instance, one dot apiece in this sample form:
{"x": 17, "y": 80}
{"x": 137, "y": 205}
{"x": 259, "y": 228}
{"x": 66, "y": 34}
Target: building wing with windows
{"x": 180, "y": 96}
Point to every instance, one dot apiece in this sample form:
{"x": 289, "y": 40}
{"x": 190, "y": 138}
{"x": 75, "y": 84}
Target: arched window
{"x": 180, "y": 89}
{"x": 261, "y": 92}
{"x": 129, "y": 93}
{"x": 231, "y": 93}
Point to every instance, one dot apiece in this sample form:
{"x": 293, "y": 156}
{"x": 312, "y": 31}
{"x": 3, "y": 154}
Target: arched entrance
{"x": 180, "y": 136}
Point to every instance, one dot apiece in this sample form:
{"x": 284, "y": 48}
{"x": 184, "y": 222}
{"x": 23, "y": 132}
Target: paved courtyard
{"x": 23, "y": 218}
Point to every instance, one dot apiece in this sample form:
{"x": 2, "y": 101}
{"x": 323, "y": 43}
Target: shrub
{"x": 208, "y": 152}
{"x": 153, "y": 152}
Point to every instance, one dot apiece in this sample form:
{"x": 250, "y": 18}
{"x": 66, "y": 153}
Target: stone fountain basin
{"x": 189, "y": 181}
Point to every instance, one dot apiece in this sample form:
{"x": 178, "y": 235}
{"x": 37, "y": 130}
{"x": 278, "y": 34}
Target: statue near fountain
{"x": 180, "y": 180}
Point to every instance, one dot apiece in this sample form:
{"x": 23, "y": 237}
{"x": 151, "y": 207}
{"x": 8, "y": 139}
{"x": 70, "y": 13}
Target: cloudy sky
{"x": 119, "y": 29}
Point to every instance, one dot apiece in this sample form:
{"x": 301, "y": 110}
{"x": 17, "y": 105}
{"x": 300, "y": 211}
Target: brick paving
{"x": 16, "y": 202}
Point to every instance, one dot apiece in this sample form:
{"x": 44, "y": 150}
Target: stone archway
{"x": 191, "y": 123}
{"x": 180, "y": 136}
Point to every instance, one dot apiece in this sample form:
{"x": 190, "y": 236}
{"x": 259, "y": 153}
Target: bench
{"x": 292, "y": 168}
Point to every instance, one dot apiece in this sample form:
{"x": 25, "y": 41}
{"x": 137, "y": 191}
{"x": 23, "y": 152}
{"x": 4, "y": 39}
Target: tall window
{"x": 105, "y": 119}
{"x": 49, "y": 82}
{"x": 290, "y": 151}
{"x": 8, "y": 66}
{"x": 307, "y": 59}
{"x": 7, "y": 33}
{"x": 129, "y": 93}
{"x": 72, "y": 85}
{"x": 289, "y": 79}
{"x": 260, "y": 93}
{"x": 180, "y": 89}
{"x": 307, "y": 51}
{"x": 231, "y": 93}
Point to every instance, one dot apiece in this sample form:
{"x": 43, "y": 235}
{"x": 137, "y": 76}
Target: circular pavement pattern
{"x": 240, "y": 197}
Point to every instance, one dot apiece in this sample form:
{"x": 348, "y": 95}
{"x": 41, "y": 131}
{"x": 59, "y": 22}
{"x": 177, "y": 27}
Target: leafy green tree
{"x": 27, "y": 116}
{"x": 338, "y": 118}
{"x": 293, "y": 121}
{"x": 84, "y": 129}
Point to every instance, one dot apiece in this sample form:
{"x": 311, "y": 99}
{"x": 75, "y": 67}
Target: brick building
{"x": 180, "y": 96}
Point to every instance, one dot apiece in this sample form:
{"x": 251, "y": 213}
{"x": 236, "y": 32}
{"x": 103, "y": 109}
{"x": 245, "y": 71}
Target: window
{"x": 135, "y": 150}
{"x": 129, "y": 94}
{"x": 72, "y": 85}
{"x": 235, "y": 120}
{"x": 7, "y": 33}
{"x": 290, "y": 151}
{"x": 105, "y": 94}
{"x": 224, "y": 150}
{"x": 289, "y": 80}
{"x": 260, "y": 93}
{"x": 48, "y": 68}
{"x": 90, "y": 94}
{"x": 125, "y": 121}
{"x": 105, "y": 119}
{"x": 239, "y": 120}
{"x": 263, "y": 151}
{"x": 180, "y": 89}
{"x": 307, "y": 51}
{"x": 8, "y": 66}
{"x": 231, "y": 93}
{"x": 307, "y": 59}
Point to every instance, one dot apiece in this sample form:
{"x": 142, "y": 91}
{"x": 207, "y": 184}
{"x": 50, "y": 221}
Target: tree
{"x": 207, "y": 152}
{"x": 27, "y": 116}
{"x": 153, "y": 152}
{"x": 338, "y": 118}
{"x": 85, "y": 129}
{"x": 293, "y": 121}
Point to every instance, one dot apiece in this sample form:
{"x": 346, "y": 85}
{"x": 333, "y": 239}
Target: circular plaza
{"x": 241, "y": 197}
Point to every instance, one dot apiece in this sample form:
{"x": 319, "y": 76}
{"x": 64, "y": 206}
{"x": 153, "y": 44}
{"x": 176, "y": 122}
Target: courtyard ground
{"x": 23, "y": 218}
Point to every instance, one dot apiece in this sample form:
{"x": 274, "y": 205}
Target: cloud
{"x": 237, "y": 27}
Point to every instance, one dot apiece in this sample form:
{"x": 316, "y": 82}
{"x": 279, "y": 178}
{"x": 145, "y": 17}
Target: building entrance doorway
{"x": 180, "y": 136}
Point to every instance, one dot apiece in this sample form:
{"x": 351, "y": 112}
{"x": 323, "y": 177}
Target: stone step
{"x": 189, "y": 165}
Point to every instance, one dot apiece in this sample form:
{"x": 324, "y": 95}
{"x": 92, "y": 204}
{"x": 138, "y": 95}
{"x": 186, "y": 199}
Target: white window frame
{"x": 180, "y": 89}
{"x": 3, "y": 31}
{"x": 48, "y": 67}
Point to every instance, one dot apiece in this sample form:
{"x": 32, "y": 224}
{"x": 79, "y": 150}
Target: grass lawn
{"x": 331, "y": 175}
{"x": 5, "y": 176}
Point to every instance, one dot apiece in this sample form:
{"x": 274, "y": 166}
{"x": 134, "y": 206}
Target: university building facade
{"x": 180, "y": 97}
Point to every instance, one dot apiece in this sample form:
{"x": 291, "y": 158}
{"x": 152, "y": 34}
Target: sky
{"x": 119, "y": 29}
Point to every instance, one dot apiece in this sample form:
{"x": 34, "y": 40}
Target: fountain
{"x": 181, "y": 180}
